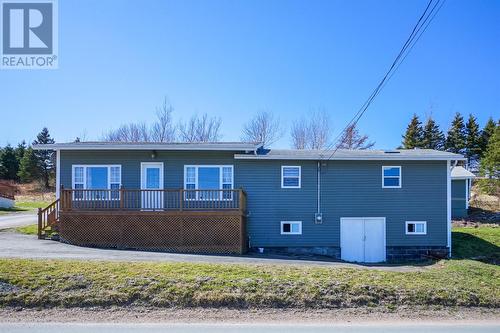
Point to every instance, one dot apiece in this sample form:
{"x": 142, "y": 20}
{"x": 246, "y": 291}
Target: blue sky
{"x": 118, "y": 59}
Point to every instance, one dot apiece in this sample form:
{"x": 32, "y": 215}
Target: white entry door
{"x": 362, "y": 239}
{"x": 152, "y": 184}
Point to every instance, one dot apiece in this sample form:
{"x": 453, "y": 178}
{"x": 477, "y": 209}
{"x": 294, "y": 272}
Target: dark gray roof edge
{"x": 344, "y": 154}
{"x": 222, "y": 146}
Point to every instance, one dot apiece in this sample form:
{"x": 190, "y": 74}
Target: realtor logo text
{"x": 29, "y": 34}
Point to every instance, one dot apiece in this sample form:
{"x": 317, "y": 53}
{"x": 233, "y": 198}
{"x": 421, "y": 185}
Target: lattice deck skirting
{"x": 191, "y": 232}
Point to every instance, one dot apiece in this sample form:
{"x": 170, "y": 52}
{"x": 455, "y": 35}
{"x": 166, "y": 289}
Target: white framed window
{"x": 391, "y": 176}
{"x": 291, "y": 227}
{"x": 209, "y": 177}
{"x": 416, "y": 227}
{"x": 96, "y": 177}
{"x": 290, "y": 176}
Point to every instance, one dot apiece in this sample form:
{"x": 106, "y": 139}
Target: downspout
{"x": 319, "y": 189}
{"x": 318, "y": 217}
{"x": 58, "y": 173}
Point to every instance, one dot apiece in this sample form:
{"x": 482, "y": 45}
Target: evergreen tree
{"x": 472, "y": 140}
{"x": 433, "y": 137}
{"x": 45, "y": 158}
{"x": 414, "y": 133}
{"x": 28, "y": 168}
{"x": 456, "y": 138}
{"x": 20, "y": 149}
{"x": 490, "y": 165}
{"x": 486, "y": 133}
{"x": 9, "y": 163}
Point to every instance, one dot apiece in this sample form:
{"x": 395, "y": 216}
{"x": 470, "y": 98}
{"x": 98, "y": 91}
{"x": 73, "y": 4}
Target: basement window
{"x": 416, "y": 227}
{"x": 291, "y": 227}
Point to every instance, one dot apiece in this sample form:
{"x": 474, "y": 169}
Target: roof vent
{"x": 392, "y": 152}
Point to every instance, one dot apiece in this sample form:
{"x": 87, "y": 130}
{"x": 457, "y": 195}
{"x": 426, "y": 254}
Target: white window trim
{"x": 221, "y": 177}
{"x": 416, "y": 222}
{"x": 85, "y": 166}
{"x": 283, "y": 179}
{"x": 291, "y": 233}
{"x": 400, "y": 176}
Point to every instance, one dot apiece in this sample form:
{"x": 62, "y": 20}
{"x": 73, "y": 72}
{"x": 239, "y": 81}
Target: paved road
{"x": 16, "y": 245}
{"x": 17, "y": 220}
{"x": 244, "y": 328}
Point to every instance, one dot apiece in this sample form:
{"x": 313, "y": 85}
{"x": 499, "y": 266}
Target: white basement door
{"x": 362, "y": 239}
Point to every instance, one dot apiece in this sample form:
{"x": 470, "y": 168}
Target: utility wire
{"x": 403, "y": 53}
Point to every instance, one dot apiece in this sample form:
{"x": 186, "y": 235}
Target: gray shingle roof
{"x": 346, "y": 154}
{"x": 460, "y": 172}
{"x": 222, "y": 146}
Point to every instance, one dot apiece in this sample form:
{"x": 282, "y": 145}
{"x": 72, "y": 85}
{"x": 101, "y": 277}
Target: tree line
{"x": 24, "y": 164}
{"x": 462, "y": 137}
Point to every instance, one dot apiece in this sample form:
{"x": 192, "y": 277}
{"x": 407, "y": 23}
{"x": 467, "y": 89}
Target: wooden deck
{"x": 196, "y": 221}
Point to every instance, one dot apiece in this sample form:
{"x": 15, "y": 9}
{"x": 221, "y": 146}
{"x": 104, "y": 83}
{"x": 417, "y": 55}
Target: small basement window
{"x": 391, "y": 177}
{"x": 416, "y": 227}
{"x": 291, "y": 227}
{"x": 290, "y": 176}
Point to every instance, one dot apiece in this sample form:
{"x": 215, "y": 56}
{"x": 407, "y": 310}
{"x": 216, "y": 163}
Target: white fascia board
{"x": 141, "y": 147}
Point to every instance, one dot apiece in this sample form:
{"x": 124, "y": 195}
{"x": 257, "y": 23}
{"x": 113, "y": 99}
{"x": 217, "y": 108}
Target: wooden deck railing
{"x": 48, "y": 217}
{"x": 153, "y": 200}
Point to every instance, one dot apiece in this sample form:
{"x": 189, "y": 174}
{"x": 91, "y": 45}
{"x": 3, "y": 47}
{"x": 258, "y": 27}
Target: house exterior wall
{"x": 458, "y": 198}
{"x": 348, "y": 189}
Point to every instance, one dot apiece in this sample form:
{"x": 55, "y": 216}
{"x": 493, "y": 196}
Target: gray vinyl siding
{"x": 348, "y": 189}
{"x": 458, "y": 198}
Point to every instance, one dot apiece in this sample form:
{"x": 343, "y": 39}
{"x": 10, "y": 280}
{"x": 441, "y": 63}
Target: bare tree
{"x": 299, "y": 134}
{"x": 163, "y": 130}
{"x": 262, "y": 128}
{"x": 311, "y": 133}
{"x": 351, "y": 139}
{"x": 128, "y": 133}
{"x": 200, "y": 129}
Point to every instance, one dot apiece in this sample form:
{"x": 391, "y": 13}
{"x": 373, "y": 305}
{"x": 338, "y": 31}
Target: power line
{"x": 403, "y": 53}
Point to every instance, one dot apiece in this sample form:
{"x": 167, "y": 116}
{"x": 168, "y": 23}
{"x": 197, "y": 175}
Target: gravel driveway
{"x": 17, "y": 220}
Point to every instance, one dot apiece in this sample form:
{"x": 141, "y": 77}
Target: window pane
{"x": 190, "y": 175}
{"x": 208, "y": 178}
{"x": 115, "y": 194}
{"x": 295, "y": 228}
{"x": 190, "y": 194}
{"x": 227, "y": 175}
{"x": 419, "y": 227}
{"x": 391, "y": 181}
{"x": 227, "y": 194}
{"x": 290, "y": 172}
{"x": 78, "y": 175}
{"x": 290, "y": 182}
{"x": 411, "y": 227}
{"x": 97, "y": 177}
{"x": 391, "y": 172}
{"x": 115, "y": 175}
{"x": 152, "y": 178}
{"x": 286, "y": 227}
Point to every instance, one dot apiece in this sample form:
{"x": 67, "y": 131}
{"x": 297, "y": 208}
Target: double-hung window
{"x": 290, "y": 176}
{"x": 208, "y": 180}
{"x": 100, "y": 179}
{"x": 391, "y": 177}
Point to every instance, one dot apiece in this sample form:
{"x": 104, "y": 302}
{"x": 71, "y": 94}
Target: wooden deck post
{"x": 39, "y": 223}
{"x": 181, "y": 199}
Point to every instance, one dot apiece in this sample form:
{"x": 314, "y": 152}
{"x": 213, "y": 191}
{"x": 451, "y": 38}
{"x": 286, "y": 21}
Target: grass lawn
{"x": 457, "y": 282}
{"x": 25, "y": 206}
{"x": 31, "y": 229}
